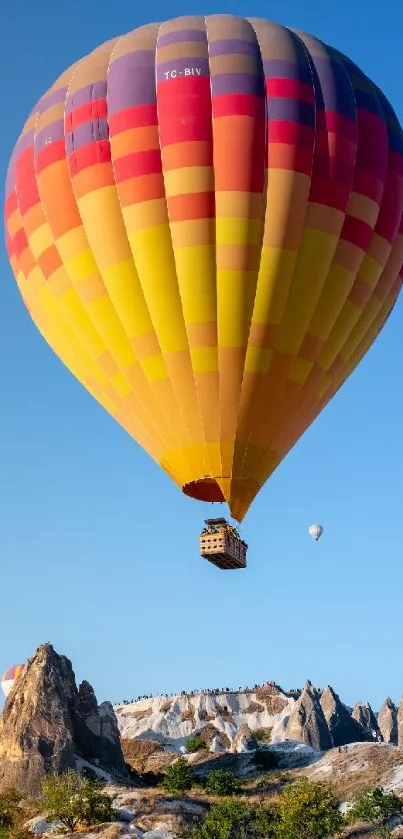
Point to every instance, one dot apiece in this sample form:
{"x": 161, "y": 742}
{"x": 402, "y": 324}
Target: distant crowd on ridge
{"x": 209, "y": 692}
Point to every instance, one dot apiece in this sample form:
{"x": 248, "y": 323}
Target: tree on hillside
{"x": 196, "y": 744}
{"x": 179, "y": 777}
{"x": 308, "y": 811}
{"x": 379, "y": 808}
{"x": 73, "y": 799}
{"x": 221, "y": 782}
{"x": 234, "y": 819}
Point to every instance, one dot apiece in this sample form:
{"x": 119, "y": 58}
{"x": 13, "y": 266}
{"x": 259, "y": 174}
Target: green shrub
{"x": 196, "y": 744}
{"x": 233, "y": 819}
{"x": 378, "y": 808}
{"x": 19, "y": 832}
{"x": 263, "y": 735}
{"x": 221, "y": 782}
{"x": 265, "y": 759}
{"x": 308, "y": 811}
{"x": 179, "y": 777}
{"x": 73, "y": 799}
{"x": 9, "y": 801}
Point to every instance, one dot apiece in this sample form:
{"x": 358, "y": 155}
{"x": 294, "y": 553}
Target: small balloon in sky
{"x": 316, "y": 531}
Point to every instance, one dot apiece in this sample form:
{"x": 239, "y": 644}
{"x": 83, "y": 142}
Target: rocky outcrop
{"x": 270, "y": 713}
{"x": 173, "y": 721}
{"x": 47, "y": 723}
{"x": 97, "y": 732}
{"x": 307, "y": 722}
{"x": 400, "y": 724}
{"x": 365, "y": 716}
{"x": 244, "y": 740}
{"x": 343, "y": 728}
{"x": 110, "y": 751}
{"x": 387, "y": 722}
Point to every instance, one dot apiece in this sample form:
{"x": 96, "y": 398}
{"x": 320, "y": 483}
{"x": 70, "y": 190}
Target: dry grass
{"x": 224, "y": 712}
{"x": 363, "y": 831}
{"x": 111, "y": 831}
{"x": 254, "y": 708}
{"x": 141, "y": 715}
{"x": 209, "y": 732}
{"x": 263, "y": 735}
{"x": 205, "y": 716}
{"x": 29, "y": 808}
{"x": 275, "y": 704}
{"x": 151, "y": 810}
{"x": 189, "y": 714}
{"x": 138, "y": 752}
{"x": 359, "y": 831}
{"x": 362, "y": 767}
{"x": 145, "y": 755}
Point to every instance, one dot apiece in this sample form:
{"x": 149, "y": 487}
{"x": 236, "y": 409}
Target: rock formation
{"x": 343, "y": 728}
{"x": 99, "y": 737}
{"x": 219, "y": 716}
{"x": 400, "y": 724}
{"x": 47, "y": 723}
{"x": 365, "y": 716}
{"x": 387, "y": 722}
{"x": 307, "y": 722}
{"x": 244, "y": 740}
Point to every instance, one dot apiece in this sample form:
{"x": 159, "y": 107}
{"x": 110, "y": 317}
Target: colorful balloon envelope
{"x": 204, "y": 219}
{"x": 10, "y": 677}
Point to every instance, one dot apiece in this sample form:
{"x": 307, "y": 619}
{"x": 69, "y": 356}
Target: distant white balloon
{"x": 315, "y": 531}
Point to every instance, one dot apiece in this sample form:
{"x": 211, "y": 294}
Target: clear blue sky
{"x": 79, "y": 501}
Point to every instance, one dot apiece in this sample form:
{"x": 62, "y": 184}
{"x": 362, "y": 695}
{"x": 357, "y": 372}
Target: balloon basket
{"x": 221, "y": 544}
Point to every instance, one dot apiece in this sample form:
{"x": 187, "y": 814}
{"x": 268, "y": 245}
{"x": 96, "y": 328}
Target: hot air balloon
{"x": 204, "y": 219}
{"x": 10, "y": 677}
{"x": 315, "y": 531}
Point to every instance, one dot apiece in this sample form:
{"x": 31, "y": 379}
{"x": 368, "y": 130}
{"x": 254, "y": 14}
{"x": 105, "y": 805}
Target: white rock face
{"x": 172, "y": 721}
{"x": 39, "y": 826}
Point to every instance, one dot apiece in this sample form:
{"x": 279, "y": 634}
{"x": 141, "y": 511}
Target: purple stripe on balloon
{"x": 24, "y": 142}
{"x": 131, "y": 81}
{"x": 51, "y": 134}
{"x": 278, "y": 68}
{"x": 89, "y": 93}
{"x": 182, "y": 35}
{"x": 334, "y": 92}
{"x": 233, "y": 46}
{"x": 136, "y": 59}
{"x": 227, "y": 83}
{"x": 290, "y": 110}
{"x": 10, "y": 177}
{"x": 178, "y": 67}
{"x": 53, "y": 98}
{"x": 88, "y": 132}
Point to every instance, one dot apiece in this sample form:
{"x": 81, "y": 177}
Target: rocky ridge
{"x": 48, "y": 724}
{"x": 307, "y": 722}
{"x": 235, "y": 720}
{"x": 343, "y": 727}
